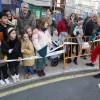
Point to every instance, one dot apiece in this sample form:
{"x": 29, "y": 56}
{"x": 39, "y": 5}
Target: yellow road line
{"x": 45, "y": 82}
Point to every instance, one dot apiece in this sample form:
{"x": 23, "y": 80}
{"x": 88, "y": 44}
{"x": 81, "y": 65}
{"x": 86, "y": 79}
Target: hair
{"x": 80, "y": 18}
{"x": 24, "y": 32}
{"x": 41, "y": 22}
{"x": 6, "y": 10}
{"x": 27, "y": 27}
{"x": 51, "y": 10}
{"x": 72, "y": 14}
{"x": 3, "y": 14}
{"x": 24, "y": 3}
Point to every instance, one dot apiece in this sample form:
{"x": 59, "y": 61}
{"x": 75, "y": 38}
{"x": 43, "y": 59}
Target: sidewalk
{"x": 51, "y": 71}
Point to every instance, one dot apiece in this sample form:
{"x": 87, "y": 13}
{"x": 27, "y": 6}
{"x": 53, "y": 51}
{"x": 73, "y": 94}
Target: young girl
{"x": 28, "y": 30}
{"x": 27, "y": 50}
{"x": 41, "y": 40}
{"x": 3, "y": 68}
{"x": 12, "y": 48}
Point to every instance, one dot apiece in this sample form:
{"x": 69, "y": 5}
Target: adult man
{"x": 25, "y": 19}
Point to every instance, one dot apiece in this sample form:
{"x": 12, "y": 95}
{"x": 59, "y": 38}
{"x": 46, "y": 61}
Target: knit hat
{"x": 43, "y": 52}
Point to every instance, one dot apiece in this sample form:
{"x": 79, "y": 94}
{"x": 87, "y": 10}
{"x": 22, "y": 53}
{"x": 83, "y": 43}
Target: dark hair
{"x": 51, "y": 10}
{"x": 72, "y": 14}
{"x": 80, "y": 18}
{"x": 6, "y": 10}
{"x": 24, "y": 32}
{"x": 3, "y": 14}
{"x": 26, "y": 27}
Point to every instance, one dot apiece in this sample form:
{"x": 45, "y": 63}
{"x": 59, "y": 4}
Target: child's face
{"x": 46, "y": 25}
{"x": 4, "y": 20}
{"x": 12, "y": 35}
{"x": 25, "y": 37}
{"x": 29, "y": 31}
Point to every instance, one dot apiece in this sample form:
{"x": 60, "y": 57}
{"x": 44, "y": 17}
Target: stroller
{"x": 56, "y": 58}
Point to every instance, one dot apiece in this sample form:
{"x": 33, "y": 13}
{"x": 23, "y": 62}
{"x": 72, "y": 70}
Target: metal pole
{"x": 19, "y": 5}
{"x": 0, "y": 5}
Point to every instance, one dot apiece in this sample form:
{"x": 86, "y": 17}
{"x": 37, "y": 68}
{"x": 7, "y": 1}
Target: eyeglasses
{"x": 25, "y": 7}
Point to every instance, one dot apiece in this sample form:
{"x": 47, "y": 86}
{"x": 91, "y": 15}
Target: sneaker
{"x": 39, "y": 73}
{"x": 90, "y": 64}
{"x": 2, "y": 82}
{"x": 14, "y": 78}
{"x": 7, "y": 81}
{"x": 18, "y": 79}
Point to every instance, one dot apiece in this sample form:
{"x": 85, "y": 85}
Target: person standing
{"x": 25, "y": 18}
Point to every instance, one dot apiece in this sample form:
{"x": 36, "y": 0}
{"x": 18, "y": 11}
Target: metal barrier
{"x": 69, "y": 47}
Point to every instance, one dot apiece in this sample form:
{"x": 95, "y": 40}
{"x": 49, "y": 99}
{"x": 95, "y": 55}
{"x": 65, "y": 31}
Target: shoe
{"x": 29, "y": 76}
{"x": 90, "y": 64}
{"x": 7, "y": 81}
{"x": 69, "y": 60}
{"x": 42, "y": 72}
{"x": 39, "y": 73}
{"x": 83, "y": 57}
{"x": 73, "y": 52}
{"x": 14, "y": 78}
{"x": 75, "y": 61}
{"x": 26, "y": 76}
{"x": 17, "y": 78}
{"x": 46, "y": 64}
{"x": 2, "y": 82}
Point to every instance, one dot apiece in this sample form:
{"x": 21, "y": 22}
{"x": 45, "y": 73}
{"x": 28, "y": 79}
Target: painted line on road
{"x": 2, "y": 94}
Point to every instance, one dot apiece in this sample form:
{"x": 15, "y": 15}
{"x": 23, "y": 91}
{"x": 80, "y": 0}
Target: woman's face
{"x": 29, "y": 31}
{"x": 12, "y": 35}
{"x": 48, "y": 12}
{"x": 9, "y": 15}
{"x": 73, "y": 16}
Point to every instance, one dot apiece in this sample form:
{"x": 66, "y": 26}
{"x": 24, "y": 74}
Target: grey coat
{"x": 29, "y": 20}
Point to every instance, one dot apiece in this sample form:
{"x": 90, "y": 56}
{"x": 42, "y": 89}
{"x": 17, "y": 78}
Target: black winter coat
{"x": 12, "y": 44}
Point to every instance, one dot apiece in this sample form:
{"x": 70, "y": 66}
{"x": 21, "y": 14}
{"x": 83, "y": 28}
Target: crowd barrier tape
{"x": 50, "y": 54}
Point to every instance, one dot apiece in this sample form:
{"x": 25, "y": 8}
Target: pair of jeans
{"x": 3, "y": 69}
{"x": 29, "y": 69}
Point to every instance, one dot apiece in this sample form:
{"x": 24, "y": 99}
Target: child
{"x": 3, "y": 68}
{"x": 78, "y": 32}
{"x": 41, "y": 40}
{"x": 27, "y": 50}
{"x": 28, "y": 30}
{"x": 12, "y": 48}
{"x": 3, "y": 25}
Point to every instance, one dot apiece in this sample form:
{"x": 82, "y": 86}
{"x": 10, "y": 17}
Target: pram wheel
{"x": 54, "y": 62}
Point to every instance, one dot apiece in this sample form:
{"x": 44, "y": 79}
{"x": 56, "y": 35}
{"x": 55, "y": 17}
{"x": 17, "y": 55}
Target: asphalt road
{"x": 77, "y": 88}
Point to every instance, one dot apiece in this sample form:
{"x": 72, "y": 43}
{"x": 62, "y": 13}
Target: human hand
{"x": 48, "y": 44}
{"x": 80, "y": 32}
{"x": 10, "y": 50}
{"x": 22, "y": 50}
{"x": 5, "y": 61}
{"x": 19, "y": 37}
{"x": 19, "y": 59}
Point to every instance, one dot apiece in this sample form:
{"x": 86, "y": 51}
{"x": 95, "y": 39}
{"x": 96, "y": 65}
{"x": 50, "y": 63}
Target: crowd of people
{"x": 28, "y": 38}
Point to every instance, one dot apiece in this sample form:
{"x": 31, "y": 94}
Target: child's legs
{"x": 39, "y": 64}
{"x": 4, "y": 71}
{"x": 30, "y": 68}
{"x": 26, "y": 69}
{"x": 44, "y": 62}
{"x": 16, "y": 69}
{"x": 11, "y": 68}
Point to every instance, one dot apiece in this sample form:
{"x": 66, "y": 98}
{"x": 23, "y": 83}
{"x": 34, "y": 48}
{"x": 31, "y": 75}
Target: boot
{"x": 75, "y": 61}
{"x": 17, "y": 78}
{"x": 26, "y": 76}
{"x": 39, "y": 73}
{"x": 14, "y": 78}
{"x": 69, "y": 60}
{"x": 42, "y": 72}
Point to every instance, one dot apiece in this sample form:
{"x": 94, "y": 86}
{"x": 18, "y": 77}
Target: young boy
{"x": 3, "y": 68}
{"x": 3, "y": 25}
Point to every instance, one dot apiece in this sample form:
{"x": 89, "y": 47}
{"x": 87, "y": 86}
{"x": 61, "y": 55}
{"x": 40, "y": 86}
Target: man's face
{"x": 66, "y": 17}
{"x": 4, "y": 20}
{"x": 25, "y": 9}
